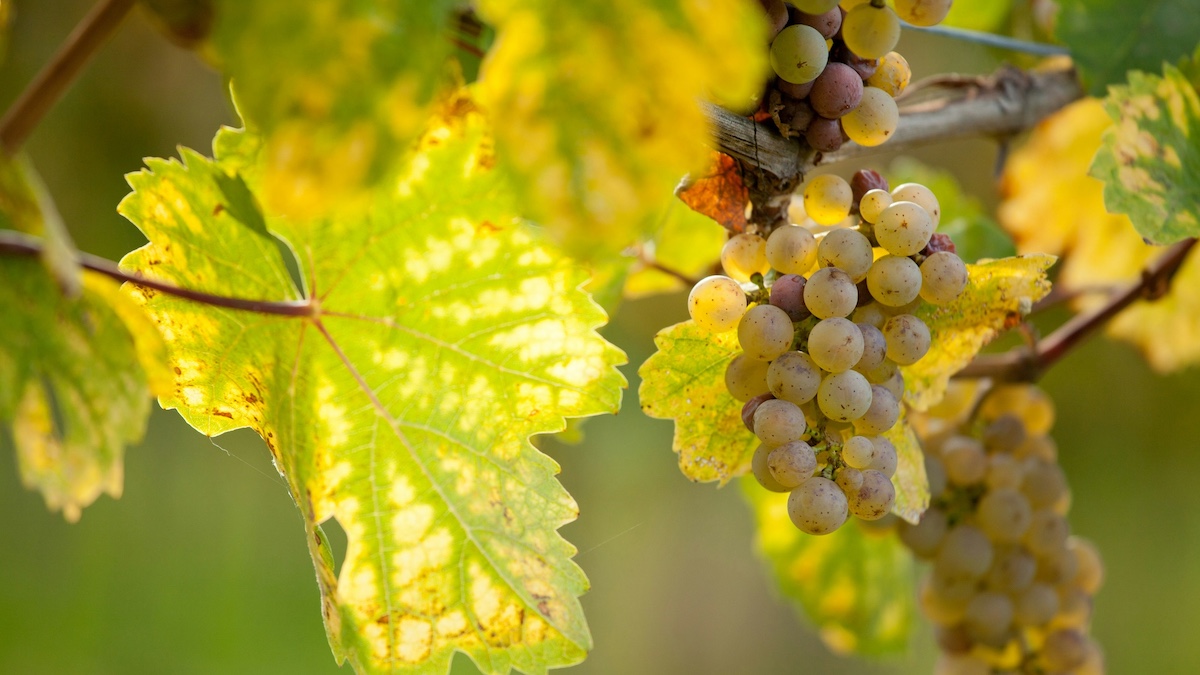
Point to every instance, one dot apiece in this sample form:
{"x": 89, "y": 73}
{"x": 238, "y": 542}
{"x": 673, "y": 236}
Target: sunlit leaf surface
{"x": 442, "y": 333}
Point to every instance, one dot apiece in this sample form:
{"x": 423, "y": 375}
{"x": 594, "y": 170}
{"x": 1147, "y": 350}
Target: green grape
{"x": 777, "y": 422}
{"x": 874, "y": 120}
{"x": 886, "y": 459}
{"x": 894, "y": 384}
{"x": 858, "y": 452}
{"x": 827, "y": 199}
{"x": 1074, "y": 608}
{"x": 746, "y": 377}
{"x": 892, "y": 75}
{"x": 871, "y": 32}
{"x": 794, "y": 377}
{"x": 965, "y": 460}
{"x": 874, "y": 348}
{"x": 830, "y": 292}
{"x": 792, "y": 463}
{"x": 943, "y": 277}
{"x": 743, "y": 255}
{"x": 1047, "y": 533}
{"x": 765, "y": 332}
{"x": 1028, "y": 403}
{"x": 847, "y": 250}
{"x": 894, "y": 281}
{"x": 799, "y": 54}
{"x": 988, "y": 616}
{"x": 920, "y": 195}
{"x": 1004, "y": 434}
{"x": 762, "y": 472}
{"x": 907, "y": 338}
{"x": 941, "y": 610}
{"x": 1064, "y": 650}
{"x": 1090, "y": 574}
{"x": 1012, "y": 570}
{"x": 883, "y": 413}
{"x": 965, "y": 552}
{"x": 873, "y": 203}
{"x": 923, "y": 12}
{"x": 1004, "y": 515}
{"x": 875, "y": 498}
{"x": 818, "y": 506}
{"x": 924, "y": 538}
{"x": 835, "y": 344}
{"x": 717, "y": 303}
{"x": 1036, "y": 605}
{"x": 844, "y": 396}
{"x": 815, "y": 6}
{"x": 871, "y": 313}
{"x": 792, "y": 249}
{"x": 1044, "y": 483}
{"x": 904, "y": 228}
{"x": 1003, "y": 471}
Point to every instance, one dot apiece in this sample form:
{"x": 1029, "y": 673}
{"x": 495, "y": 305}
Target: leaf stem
{"x": 48, "y": 86}
{"x": 1029, "y": 365}
{"x": 991, "y": 40}
{"x": 18, "y": 244}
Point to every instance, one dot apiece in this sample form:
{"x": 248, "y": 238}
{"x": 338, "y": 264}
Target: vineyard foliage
{"x": 404, "y": 255}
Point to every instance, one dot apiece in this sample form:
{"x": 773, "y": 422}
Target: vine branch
{"x": 17, "y": 244}
{"x": 48, "y": 86}
{"x": 1029, "y": 365}
{"x": 1007, "y": 102}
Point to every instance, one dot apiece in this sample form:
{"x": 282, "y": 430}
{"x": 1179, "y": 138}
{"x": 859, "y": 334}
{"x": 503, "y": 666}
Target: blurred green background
{"x": 201, "y": 566}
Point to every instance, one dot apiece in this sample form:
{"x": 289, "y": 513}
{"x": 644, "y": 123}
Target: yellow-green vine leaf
{"x": 685, "y": 381}
{"x": 597, "y": 103}
{"x": 25, "y": 206}
{"x": 855, "y": 585}
{"x": 910, "y": 481}
{"x": 442, "y": 333}
{"x": 75, "y": 380}
{"x": 984, "y": 15}
{"x": 339, "y": 88}
{"x": 683, "y": 241}
{"x": 998, "y": 294}
{"x": 1150, "y": 159}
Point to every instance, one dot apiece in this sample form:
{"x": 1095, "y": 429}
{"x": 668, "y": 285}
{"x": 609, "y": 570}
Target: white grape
{"x": 873, "y": 203}
{"x": 886, "y": 459}
{"x": 907, "y": 338}
{"x": 874, "y": 348}
{"x": 925, "y": 537}
{"x": 848, "y": 250}
{"x": 792, "y": 463}
{"x": 875, "y": 498}
{"x": 943, "y": 277}
{"x": 871, "y": 32}
{"x": 1004, "y": 515}
{"x": 844, "y": 396}
{"x": 858, "y": 452}
{"x": 904, "y": 228}
{"x": 965, "y": 551}
{"x": 835, "y": 344}
{"x": 830, "y": 292}
{"x": 874, "y": 120}
{"x": 792, "y": 249}
{"x": 799, "y": 54}
{"x": 777, "y": 422}
{"x": 794, "y": 377}
{"x": 921, "y": 195}
{"x": 743, "y": 255}
{"x": 746, "y": 377}
{"x": 818, "y": 506}
{"x": 765, "y": 332}
{"x": 882, "y": 415}
{"x": 923, "y": 12}
{"x": 717, "y": 303}
{"x": 894, "y": 281}
{"x": 827, "y": 199}
{"x": 762, "y": 471}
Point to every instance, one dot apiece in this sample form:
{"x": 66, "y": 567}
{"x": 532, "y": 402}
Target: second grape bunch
{"x": 824, "y": 321}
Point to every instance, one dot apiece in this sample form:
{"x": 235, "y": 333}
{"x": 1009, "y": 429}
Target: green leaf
{"x": 984, "y": 15}
{"x": 998, "y": 294}
{"x": 339, "y": 88}
{"x": 975, "y": 234}
{"x": 685, "y": 381}
{"x": 684, "y": 242}
{"x": 1150, "y": 160}
{"x": 25, "y": 206}
{"x": 598, "y": 104}
{"x": 442, "y": 333}
{"x": 75, "y": 378}
{"x": 855, "y": 585}
{"x": 910, "y": 481}
{"x": 1107, "y": 38}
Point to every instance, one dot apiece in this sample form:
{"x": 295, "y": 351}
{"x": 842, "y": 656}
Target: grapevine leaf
{"x": 75, "y": 378}
{"x": 683, "y": 243}
{"x": 720, "y": 193}
{"x": 1052, "y": 205}
{"x": 441, "y": 334}
{"x": 337, "y": 87}
{"x": 1150, "y": 160}
{"x": 983, "y": 15}
{"x": 855, "y": 585}
{"x": 975, "y": 235}
{"x": 685, "y": 381}
{"x": 597, "y": 104}
{"x": 910, "y": 481}
{"x": 25, "y": 206}
{"x": 998, "y": 293}
{"x": 1107, "y": 38}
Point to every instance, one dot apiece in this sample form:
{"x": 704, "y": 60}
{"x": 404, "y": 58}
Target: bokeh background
{"x": 201, "y": 566}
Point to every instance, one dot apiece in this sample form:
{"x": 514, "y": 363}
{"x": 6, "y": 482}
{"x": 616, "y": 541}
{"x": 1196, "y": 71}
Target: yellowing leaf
{"x": 597, "y": 102}
{"x": 71, "y": 384}
{"x": 1150, "y": 160}
{"x": 854, "y": 585}
{"x": 719, "y": 193}
{"x": 437, "y": 333}
{"x": 339, "y": 88}
{"x": 25, "y": 206}
{"x": 685, "y": 381}
{"x": 1052, "y": 205}
{"x": 684, "y": 242}
{"x": 910, "y": 481}
{"x": 998, "y": 293}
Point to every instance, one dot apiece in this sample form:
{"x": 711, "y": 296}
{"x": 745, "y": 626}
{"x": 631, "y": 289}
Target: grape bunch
{"x": 1010, "y": 590}
{"x": 826, "y": 325}
{"x": 836, "y": 74}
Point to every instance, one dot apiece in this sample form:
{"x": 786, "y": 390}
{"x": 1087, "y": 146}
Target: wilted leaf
{"x": 997, "y": 294}
{"x": 1107, "y": 38}
{"x": 1052, "y": 205}
{"x": 685, "y": 381}
{"x": 684, "y": 242}
{"x": 975, "y": 235}
{"x": 73, "y": 382}
{"x": 598, "y": 102}
{"x": 441, "y": 333}
{"x": 855, "y": 586}
{"x": 339, "y": 88}
{"x": 910, "y": 481}
{"x": 1150, "y": 160}
{"x": 719, "y": 193}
